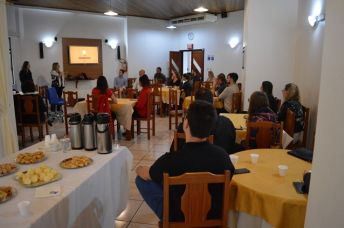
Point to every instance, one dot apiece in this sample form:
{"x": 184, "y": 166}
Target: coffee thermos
{"x": 89, "y": 132}
{"x": 104, "y": 144}
{"x": 75, "y": 131}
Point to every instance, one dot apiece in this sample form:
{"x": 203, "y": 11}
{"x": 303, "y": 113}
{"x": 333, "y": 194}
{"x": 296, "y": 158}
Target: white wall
{"x": 36, "y": 25}
{"x": 326, "y": 202}
{"x": 271, "y": 43}
{"x": 149, "y": 45}
{"x": 308, "y": 59}
{"x": 214, "y": 38}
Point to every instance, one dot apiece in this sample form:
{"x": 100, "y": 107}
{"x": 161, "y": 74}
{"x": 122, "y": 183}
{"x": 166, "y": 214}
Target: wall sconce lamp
{"x": 49, "y": 42}
{"x": 233, "y": 42}
{"x": 314, "y": 20}
{"x": 112, "y": 44}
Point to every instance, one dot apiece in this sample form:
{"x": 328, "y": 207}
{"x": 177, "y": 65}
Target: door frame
{"x": 191, "y": 50}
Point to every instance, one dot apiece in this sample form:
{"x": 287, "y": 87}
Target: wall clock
{"x": 190, "y": 36}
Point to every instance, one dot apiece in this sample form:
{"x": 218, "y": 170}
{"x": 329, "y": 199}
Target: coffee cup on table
{"x": 24, "y": 208}
{"x": 254, "y": 158}
{"x": 234, "y": 159}
{"x": 282, "y": 170}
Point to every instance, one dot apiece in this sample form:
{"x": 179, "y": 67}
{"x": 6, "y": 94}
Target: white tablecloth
{"x": 92, "y": 196}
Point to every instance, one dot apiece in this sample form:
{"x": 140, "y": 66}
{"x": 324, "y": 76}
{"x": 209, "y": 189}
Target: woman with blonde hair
{"x": 57, "y": 78}
{"x": 211, "y": 77}
{"x": 291, "y": 96}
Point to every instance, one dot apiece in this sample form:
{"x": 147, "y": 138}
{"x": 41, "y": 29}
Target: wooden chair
{"x": 158, "y": 81}
{"x": 131, "y": 82}
{"x": 265, "y": 134}
{"x": 157, "y": 93}
{"x": 29, "y": 106}
{"x": 239, "y": 86}
{"x": 207, "y": 85}
{"x": 150, "y": 116}
{"x": 36, "y": 88}
{"x": 42, "y": 90}
{"x": 151, "y": 82}
{"x": 173, "y": 100}
{"x": 116, "y": 92}
{"x": 169, "y": 80}
{"x": 196, "y": 85}
{"x": 196, "y": 201}
{"x": 92, "y": 99}
{"x": 178, "y": 135}
{"x": 236, "y": 103}
{"x": 129, "y": 93}
{"x": 289, "y": 126}
{"x": 278, "y": 104}
{"x": 70, "y": 98}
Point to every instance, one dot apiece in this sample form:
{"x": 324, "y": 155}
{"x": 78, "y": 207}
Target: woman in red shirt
{"x": 140, "y": 109}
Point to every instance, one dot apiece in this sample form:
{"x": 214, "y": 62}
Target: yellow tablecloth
{"x": 264, "y": 193}
{"x": 123, "y": 110}
{"x": 166, "y": 95}
{"x": 239, "y": 122}
{"x": 187, "y": 102}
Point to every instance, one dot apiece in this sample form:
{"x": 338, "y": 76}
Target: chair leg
{"x": 160, "y": 110}
{"x": 153, "y": 126}
{"x": 169, "y": 121}
{"x": 132, "y": 129}
{"x": 40, "y": 133}
{"x": 148, "y": 129}
{"x": 138, "y": 125}
{"x": 31, "y": 134}
{"x": 176, "y": 121}
{"x": 23, "y": 136}
{"x": 160, "y": 224}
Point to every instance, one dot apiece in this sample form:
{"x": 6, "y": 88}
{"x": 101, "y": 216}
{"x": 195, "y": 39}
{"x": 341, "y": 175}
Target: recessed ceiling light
{"x": 201, "y": 9}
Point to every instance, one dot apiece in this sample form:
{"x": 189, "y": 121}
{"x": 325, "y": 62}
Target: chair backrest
{"x": 196, "y": 85}
{"x": 289, "y": 126}
{"x": 159, "y": 81}
{"x": 116, "y": 92}
{"x": 239, "y": 86}
{"x": 236, "y": 102}
{"x": 36, "y": 88}
{"x": 278, "y": 104}
{"x": 178, "y": 135}
{"x": 129, "y": 93}
{"x": 266, "y": 134}
{"x": 305, "y": 126}
{"x": 151, "y": 82}
{"x": 173, "y": 98}
{"x": 70, "y": 98}
{"x": 52, "y": 96}
{"x": 207, "y": 85}
{"x": 196, "y": 201}
{"x": 42, "y": 90}
{"x": 131, "y": 82}
{"x": 28, "y": 105}
{"x": 150, "y": 106}
{"x": 92, "y": 99}
{"x": 157, "y": 92}
{"x": 169, "y": 80}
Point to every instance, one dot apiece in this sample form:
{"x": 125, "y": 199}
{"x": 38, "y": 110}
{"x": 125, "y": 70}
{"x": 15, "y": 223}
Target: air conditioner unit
{"x": 194, "y": 19}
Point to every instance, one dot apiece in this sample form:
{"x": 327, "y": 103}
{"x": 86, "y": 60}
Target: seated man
{"x": 120, "y": 81}
{"x": 227, "y": 93}
{"x": 223, "y": 130}
{"x": 219, "y": 85}
{"x": 197, "y": 155}
{"x": 160, "y": 76}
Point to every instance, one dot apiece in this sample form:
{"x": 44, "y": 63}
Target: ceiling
{"x": 158, "y": 9}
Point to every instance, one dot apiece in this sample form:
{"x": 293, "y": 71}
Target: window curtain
{"x": 8, "y": 139}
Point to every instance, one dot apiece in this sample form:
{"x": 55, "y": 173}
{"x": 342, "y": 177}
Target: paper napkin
{"x": 45, "y": 192}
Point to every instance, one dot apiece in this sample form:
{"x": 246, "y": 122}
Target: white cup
{"x": 53, "y": 138}
{"x": 254, "y": 158}
{"x": 282, "y": 170}
{"x": 47, "y": 141}
{"x": 116, "y": 146}
{"x": 234, "y": 159}
{"x": 24, "y": 207}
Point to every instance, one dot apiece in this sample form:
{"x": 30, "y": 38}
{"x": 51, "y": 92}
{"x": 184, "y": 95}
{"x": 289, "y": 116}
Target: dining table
{"x": 263, "y": 198}
{"x": 165, "y": 95}
{"x": 123, "y": 110}
{"x": 92, "y": 196}
{"x": 240, "y": 124}
{"x": 187, "y": 102}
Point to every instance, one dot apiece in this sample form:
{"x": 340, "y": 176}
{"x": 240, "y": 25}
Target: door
{"x": 175, "y": 62}
{"x": 197, "y": 62}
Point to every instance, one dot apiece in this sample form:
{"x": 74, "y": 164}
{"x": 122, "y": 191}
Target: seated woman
{"x": 267, "y": 89}
{"x": 175, "y": 79}
{"x": 291, "y": 98}
{"x": 140, "y": 109}
{"x": 259, "y": 110}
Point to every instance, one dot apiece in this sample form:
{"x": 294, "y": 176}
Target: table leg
{"x": 128, "y": 135}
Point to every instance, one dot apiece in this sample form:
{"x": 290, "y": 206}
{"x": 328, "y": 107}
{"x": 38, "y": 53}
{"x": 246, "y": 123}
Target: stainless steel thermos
{"x": 89, "y": 132}
{"x": 75, "y": 131}
{"x": 104, "y": 144}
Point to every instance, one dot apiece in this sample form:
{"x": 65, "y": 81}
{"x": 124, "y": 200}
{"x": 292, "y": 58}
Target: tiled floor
{"x": 145, "y": 152}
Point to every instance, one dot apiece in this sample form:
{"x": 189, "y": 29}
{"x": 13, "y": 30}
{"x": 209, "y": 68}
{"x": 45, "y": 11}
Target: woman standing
{"x": 291, "y": 98}
{"x": 57, "y": 81}
{"x": 175, "y": 79}
{"x": 25, "y": 73}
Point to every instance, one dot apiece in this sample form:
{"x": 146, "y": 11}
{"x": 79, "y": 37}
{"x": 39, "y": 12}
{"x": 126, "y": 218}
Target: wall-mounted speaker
{"x": 41, "y": 54}
{"x": 224, "y": 15}
{"x": 118, "y": 52}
